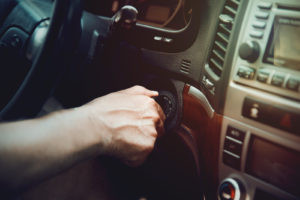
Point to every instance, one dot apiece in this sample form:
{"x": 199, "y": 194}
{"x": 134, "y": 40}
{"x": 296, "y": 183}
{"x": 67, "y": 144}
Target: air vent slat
{"x": 224, "y": 37}
{"x": 185, "y": 65}
{"x": 215, "y": 69}
{"x": 221, "y": 46}
{"x": 225, "y": 28}
{"x": 230, "y": 10}
{"x": 218, "y": 65}
{"x": 219, "y": 55}
{"x": 235, "y": 2}
{"x": 226, "y": 21}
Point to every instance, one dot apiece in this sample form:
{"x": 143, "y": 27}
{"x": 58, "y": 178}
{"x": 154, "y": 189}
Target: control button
{"x": 226, "y": 192}
{"x": 263, "y": 75}
{"x": 231, "y": 160}
{"x": 259, "y": 24}
{"x": 265, "y": 5}
{"x": 262, "y": 15}
{"x": 277, "y": 79}
{"x": 231, "y": 189}
{"x": 246, "y": 72}
{"x": 208, "y": 83}
{"x": 233, "y": 145}
{"x": 293, "y": 84}
{"x": 249, "y": 51}
{"x": 14, "y": 38}
{"x": 256, "y": 34}
{"x": 270, "y": 114}
{"x": 235, "y": 133}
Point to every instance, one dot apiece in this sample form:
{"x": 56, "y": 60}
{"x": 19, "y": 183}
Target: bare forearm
{"x": 33, "y": 150}
{"x": 123, "y": 124}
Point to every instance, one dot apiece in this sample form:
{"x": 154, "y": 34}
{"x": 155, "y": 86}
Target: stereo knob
{"x": 231, "y": 189}
{"x": 249, "y": 51}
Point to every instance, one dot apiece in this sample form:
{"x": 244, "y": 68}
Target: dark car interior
{"x": 228, "y": 76}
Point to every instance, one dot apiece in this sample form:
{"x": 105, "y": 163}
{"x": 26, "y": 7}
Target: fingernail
{"x": 155, "y": 93}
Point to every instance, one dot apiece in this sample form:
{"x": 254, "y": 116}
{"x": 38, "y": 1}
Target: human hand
{"x": 127, "y": 123}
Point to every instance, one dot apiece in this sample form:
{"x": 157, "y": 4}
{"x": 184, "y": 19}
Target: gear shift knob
{"x": 125, "y": 18}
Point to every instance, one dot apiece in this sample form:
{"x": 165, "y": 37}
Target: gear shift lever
{"x": 124, "y": 19}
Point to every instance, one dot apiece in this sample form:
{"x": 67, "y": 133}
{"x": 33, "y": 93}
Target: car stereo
{"x": 269, "y": 49}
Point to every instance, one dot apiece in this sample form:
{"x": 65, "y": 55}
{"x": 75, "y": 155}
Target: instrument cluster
{"x": 169, "y": 14}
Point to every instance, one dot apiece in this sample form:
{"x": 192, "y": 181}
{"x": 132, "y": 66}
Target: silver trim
{"x": 202, "y": 100}
{"x": 234, "y": 140}
{"x": 232, "y": 154}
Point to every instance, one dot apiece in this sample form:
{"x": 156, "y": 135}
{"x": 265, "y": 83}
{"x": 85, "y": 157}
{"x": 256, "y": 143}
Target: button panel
{"x": 246, "y": 72}
{"x": 235, "y": 133}
{"x": 260, "y": 21}
{"x": 293, "y": 84}
{"x": 259, "y": 24}
{"x": 265, "y": 5}
{"x": 233, "y": 145}
{"x": 278, "y": 79}
{"x": 262, "y": 15}
{"x": 263, "y": 75}
{"x": 232, "y": 161}
{"x": 273, "y": 115}
{"x": 257, "y": 34}
{"x": 270, "y": 77}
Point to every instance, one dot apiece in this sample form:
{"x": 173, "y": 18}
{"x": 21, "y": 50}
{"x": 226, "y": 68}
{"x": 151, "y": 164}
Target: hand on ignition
{"x": 128, "y": 123}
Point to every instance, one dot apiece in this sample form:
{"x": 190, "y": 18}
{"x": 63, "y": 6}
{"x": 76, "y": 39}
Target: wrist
{"x": 88, "y": 123}
{"x": 78, "y": 132}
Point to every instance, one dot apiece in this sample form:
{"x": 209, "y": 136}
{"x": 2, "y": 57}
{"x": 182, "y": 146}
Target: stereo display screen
{"x": 274, "y": 164}
{"x": 284, "y": 43}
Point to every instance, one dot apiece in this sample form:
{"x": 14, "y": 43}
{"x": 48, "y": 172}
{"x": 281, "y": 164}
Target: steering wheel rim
{"x": 54, "y": 55}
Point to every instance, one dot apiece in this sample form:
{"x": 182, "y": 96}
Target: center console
{"x": 260, "y": 138}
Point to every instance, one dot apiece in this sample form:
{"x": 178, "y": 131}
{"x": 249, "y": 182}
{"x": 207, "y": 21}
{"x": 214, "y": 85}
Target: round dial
{"x": 231, "y": 189}
{"x": 249, "y": 51}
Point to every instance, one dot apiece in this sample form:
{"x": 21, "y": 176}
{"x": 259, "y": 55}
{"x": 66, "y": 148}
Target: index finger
{"x": 160, "y": 123}
{"x": 139, "y": 90}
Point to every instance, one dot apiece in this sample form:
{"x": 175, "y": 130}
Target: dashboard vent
{"x": 185, "y": 66}
{"x": 221, "y": 41}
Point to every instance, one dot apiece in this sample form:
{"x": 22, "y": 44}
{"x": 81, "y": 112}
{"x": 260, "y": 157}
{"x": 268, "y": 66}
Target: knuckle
{"x": 138, "y": 88}
{"x": 152, "y": 103}
{"x": 155, "y": 118}
{"x": 149, "y": 147}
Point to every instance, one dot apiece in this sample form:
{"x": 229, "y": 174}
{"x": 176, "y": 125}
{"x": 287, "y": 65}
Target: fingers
{"x": 160, "y": 112}
{"x": 159, "y": 118}
{"x": 160, "y": 129}
{"x": 139, "y": 90}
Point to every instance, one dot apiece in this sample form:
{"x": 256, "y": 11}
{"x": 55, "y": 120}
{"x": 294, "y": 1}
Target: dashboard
{"x": 228, "y": 74}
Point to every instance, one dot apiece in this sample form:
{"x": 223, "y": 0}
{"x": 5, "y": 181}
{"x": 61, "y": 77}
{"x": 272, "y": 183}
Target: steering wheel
{"x": 47, "y": 45}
